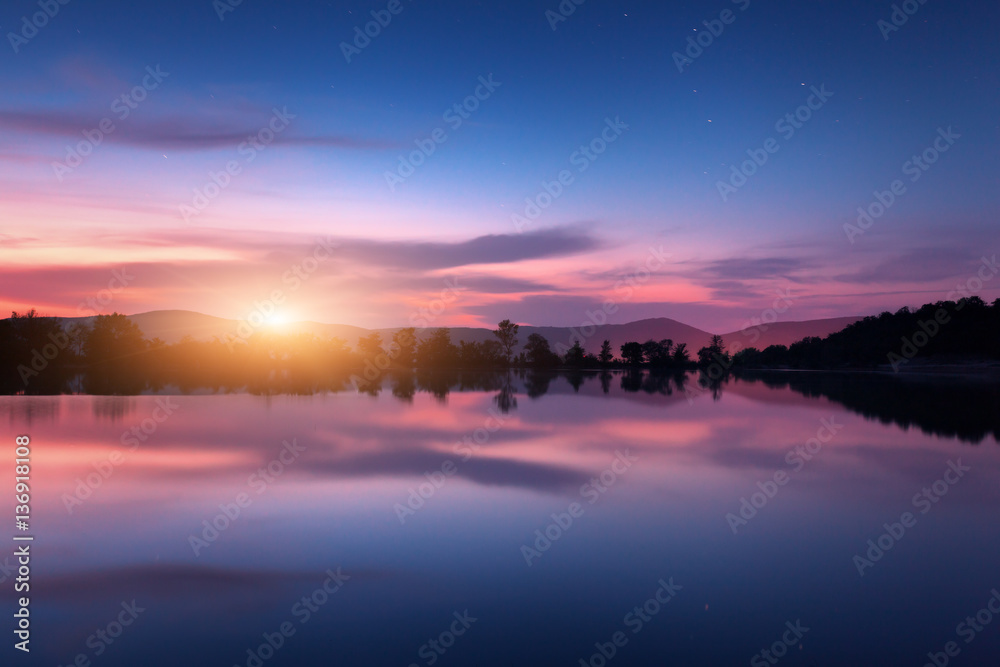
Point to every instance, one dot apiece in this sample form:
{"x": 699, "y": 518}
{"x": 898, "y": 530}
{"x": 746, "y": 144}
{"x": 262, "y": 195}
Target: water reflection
{"x": 479, "y": 462}
{"x": 968, "y": 409}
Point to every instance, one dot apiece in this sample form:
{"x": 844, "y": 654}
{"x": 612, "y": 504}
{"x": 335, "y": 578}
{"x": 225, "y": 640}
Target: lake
{"x": 585, "y": 519}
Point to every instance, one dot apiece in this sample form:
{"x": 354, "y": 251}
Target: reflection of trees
{"x": 652, "y": 382}
{"x": 506, "y": 400}
{"x": 575, "y": 380}
{"x": 632, "y": 380}
{"x": 712, "y": 382}
{"x": 112, "y": 408}
{"x": 437, "y": 382}
{"x": 536, "y": 383}
{"x": 966, "y": 409}
{"x": 951, "y": 408}
{"x": 403, "y": 385}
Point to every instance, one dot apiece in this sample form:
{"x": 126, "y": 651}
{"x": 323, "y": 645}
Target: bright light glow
{"x": 277, "y": 320}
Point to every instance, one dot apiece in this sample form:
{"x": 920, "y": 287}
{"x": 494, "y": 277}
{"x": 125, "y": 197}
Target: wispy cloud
{"x": 179, "y": 132}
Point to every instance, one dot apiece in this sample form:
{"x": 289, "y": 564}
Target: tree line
{"x": 38, "y": 354}
{"x": 947, "y": 331}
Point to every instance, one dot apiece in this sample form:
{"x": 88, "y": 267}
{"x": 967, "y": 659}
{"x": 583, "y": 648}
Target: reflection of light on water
{"x": 695, "y": 460}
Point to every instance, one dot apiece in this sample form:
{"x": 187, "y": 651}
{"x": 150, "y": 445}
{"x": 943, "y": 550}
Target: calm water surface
{"x": 548, "y": 513}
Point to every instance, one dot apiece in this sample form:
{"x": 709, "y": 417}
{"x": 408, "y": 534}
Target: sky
{"x": 489, "y": 160}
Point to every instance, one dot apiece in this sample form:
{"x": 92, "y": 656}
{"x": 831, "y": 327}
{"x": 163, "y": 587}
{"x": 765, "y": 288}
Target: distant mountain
{"x": 786, "y": 333}
{"x": 171, "y": 326}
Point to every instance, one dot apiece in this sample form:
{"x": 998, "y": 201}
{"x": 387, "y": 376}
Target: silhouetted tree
{"x": 538, "y": 353}
{"x": 506, "y": 333}
{"x": 681, "y": 356}
{"x": 437, "y": 351}
{"x": 113, "y": 340}
{"x": 487, "y": 354}
{"x": 606, "y": 356}
{"x": 35, "y": 353}
{"x": 632, "y": 353}
{"x": 575, "y": 356}
{"x": 370, "y": 347}
{"x": 714, "y": 353}
{"x": 657, "y": 353}
{"x": 404, "y": 343}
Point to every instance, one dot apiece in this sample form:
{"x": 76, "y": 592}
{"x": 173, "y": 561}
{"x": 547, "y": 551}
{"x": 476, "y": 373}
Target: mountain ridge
{"x": 171, "y": 326}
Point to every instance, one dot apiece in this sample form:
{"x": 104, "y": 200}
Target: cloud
{"x": 472, "y": 282}
{"x": 485, "y": 471}
{"x": 491, "y": 249}
{"x": 173, "y": 133}
{"x": 733, "y": 290}
{"x": 23, "y": 158}
{"x": 541, "y": 310}
{"x": 755, "y": 269}
{"x": 921, "y": 265}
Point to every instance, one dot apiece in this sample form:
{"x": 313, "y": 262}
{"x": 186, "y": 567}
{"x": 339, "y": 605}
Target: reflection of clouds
{"x": 551, "y": 444}
{"x": 481, "y": 470}
{"x": 171, "y": 580}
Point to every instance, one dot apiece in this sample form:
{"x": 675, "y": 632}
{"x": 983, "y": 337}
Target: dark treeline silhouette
{"x": 111, "y": 354}
{"x": 946, "y": 331}
{"x": 112, "y": 357}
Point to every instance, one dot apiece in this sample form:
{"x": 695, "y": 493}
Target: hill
{"x": 171, "y": 326}
{"x": 786, "y": 333}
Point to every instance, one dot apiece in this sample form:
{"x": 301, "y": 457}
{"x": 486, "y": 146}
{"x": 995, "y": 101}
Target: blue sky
{"x": 656, "y": 185}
